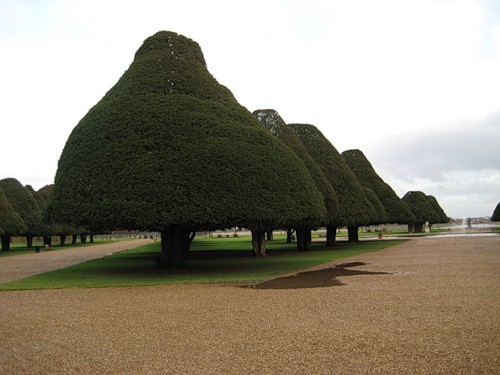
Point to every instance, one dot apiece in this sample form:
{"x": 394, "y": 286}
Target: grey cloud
{"x": 465, "y": 146}
{"x": 458, "y": 163}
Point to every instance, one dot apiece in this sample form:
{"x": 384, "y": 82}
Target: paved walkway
{"x": 21, "y": 266}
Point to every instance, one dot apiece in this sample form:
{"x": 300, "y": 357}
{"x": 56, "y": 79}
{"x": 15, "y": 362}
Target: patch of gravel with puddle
{"x": 436, "y": 311}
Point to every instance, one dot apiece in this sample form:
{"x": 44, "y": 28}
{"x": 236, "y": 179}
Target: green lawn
{"x": 213, "y": 260}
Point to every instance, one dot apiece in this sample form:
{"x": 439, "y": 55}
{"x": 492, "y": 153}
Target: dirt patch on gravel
{"x": 437, "y": 312}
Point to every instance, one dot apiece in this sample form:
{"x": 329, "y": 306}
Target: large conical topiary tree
{"x": 354, "y": 207}
{"x": 272, "y": 121}
{"x": 11, "y": 223}
{"x": 170, "y": 149}
{"x": 396, "y": 209}
{"x": 423, "y": 208}
{"x": 440, "y": 216}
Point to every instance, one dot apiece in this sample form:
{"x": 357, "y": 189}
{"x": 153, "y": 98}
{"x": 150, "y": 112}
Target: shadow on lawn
{"x": 201, "y": 262}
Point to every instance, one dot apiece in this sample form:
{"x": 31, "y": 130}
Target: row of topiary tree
{"x": 169, "y": 149}
{"x": 21, "y": 214}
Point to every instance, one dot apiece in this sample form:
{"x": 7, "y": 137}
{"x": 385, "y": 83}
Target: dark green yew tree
{"x": 25, "y": 205}
{"x": 45, "y": 193}
{"x": 396, "y": 209}
{"x": 43, "y": 197}
{"x": 423, "y": 209}
{"x": 440, "y": 216}
{"x": 496, "y": 213}
{"x": 354, "y": 207}
{"x": 48, "y": 229}
{"x": 170, "y": 149}
{"x": 272, "y": 121}
{"x": 379, "y": 217}
{"x": 11, "y": 223}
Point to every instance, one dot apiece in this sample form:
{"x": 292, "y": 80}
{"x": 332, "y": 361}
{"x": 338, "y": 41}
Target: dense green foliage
{"x": 354, "y": 207}
{"x": 40, "y": 201}
{"x": 440, "y": 216}
{"x": 396, "y": 209}
{"x": 496, "y": 213}
{"x": 11, "y": 223}
{"x": 380, "y": 213}
{"x": 272, "y": 121}
{"x": 169, "y": 145}
{"x": 24, "y": 204}
{"x": 422, "y": 208}
{"x": 45, "y": 194}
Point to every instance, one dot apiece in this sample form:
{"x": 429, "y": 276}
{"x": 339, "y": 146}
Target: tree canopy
{"x": 380, "y": 216}
{"x": 11, "y": 223}
{"x": 496, "y": 213}
{"x": 169, "y": 146}
{"x": 440, "y": 216}
{"x": 45, "y": 194}
{"x": 396, "y": 209}
{"x": 354, "y": 207}
{"x": 273, "y": 122}
{"x": 423, "y": 208}
{"x": 24, "y": 204}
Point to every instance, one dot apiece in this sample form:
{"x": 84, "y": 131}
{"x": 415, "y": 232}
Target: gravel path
{"x": 437, "y": 312}
{"x": 21, "y": 266}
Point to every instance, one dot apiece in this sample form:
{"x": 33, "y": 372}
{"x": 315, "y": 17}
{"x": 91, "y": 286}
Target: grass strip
{"x": 213, "y": 260}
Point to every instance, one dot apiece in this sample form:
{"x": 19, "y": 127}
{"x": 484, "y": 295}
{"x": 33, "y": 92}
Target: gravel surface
{"x": 436, "y": 312}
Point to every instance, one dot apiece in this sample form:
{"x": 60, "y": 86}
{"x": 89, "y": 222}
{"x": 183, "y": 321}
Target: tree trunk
{"x": 419, "y": 227}
{"x": 91, "y": 238}
{"x": 353, "y": 233}
{"x": 269, "y": 235}
{"x": 47, "y": 240}
{"x": 308, "y": 240}
{"x": 62, "y": 239}
{"x": 258, "y": 242}
{"x": 300, "y": 238}
{"x": 73, "y": 239}
{"x": 175, "y": 241}
{"x": 165, "y": 247}
{"x": 331, "y": 234}
{"x": 189, "y": 241}
{"x": 29, "y": 241}
{"x": 289, "y": 234}
{"x": 5, "y": 243}
{"x": 303, "y": 238}
{"x": 83, "y": 238}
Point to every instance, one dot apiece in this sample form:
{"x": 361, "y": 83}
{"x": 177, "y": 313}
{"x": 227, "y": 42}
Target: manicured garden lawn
{"x": 212, "y": 260}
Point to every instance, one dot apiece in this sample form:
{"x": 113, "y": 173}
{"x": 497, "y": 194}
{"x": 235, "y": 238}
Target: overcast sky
{"x": 414, "y": 84}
